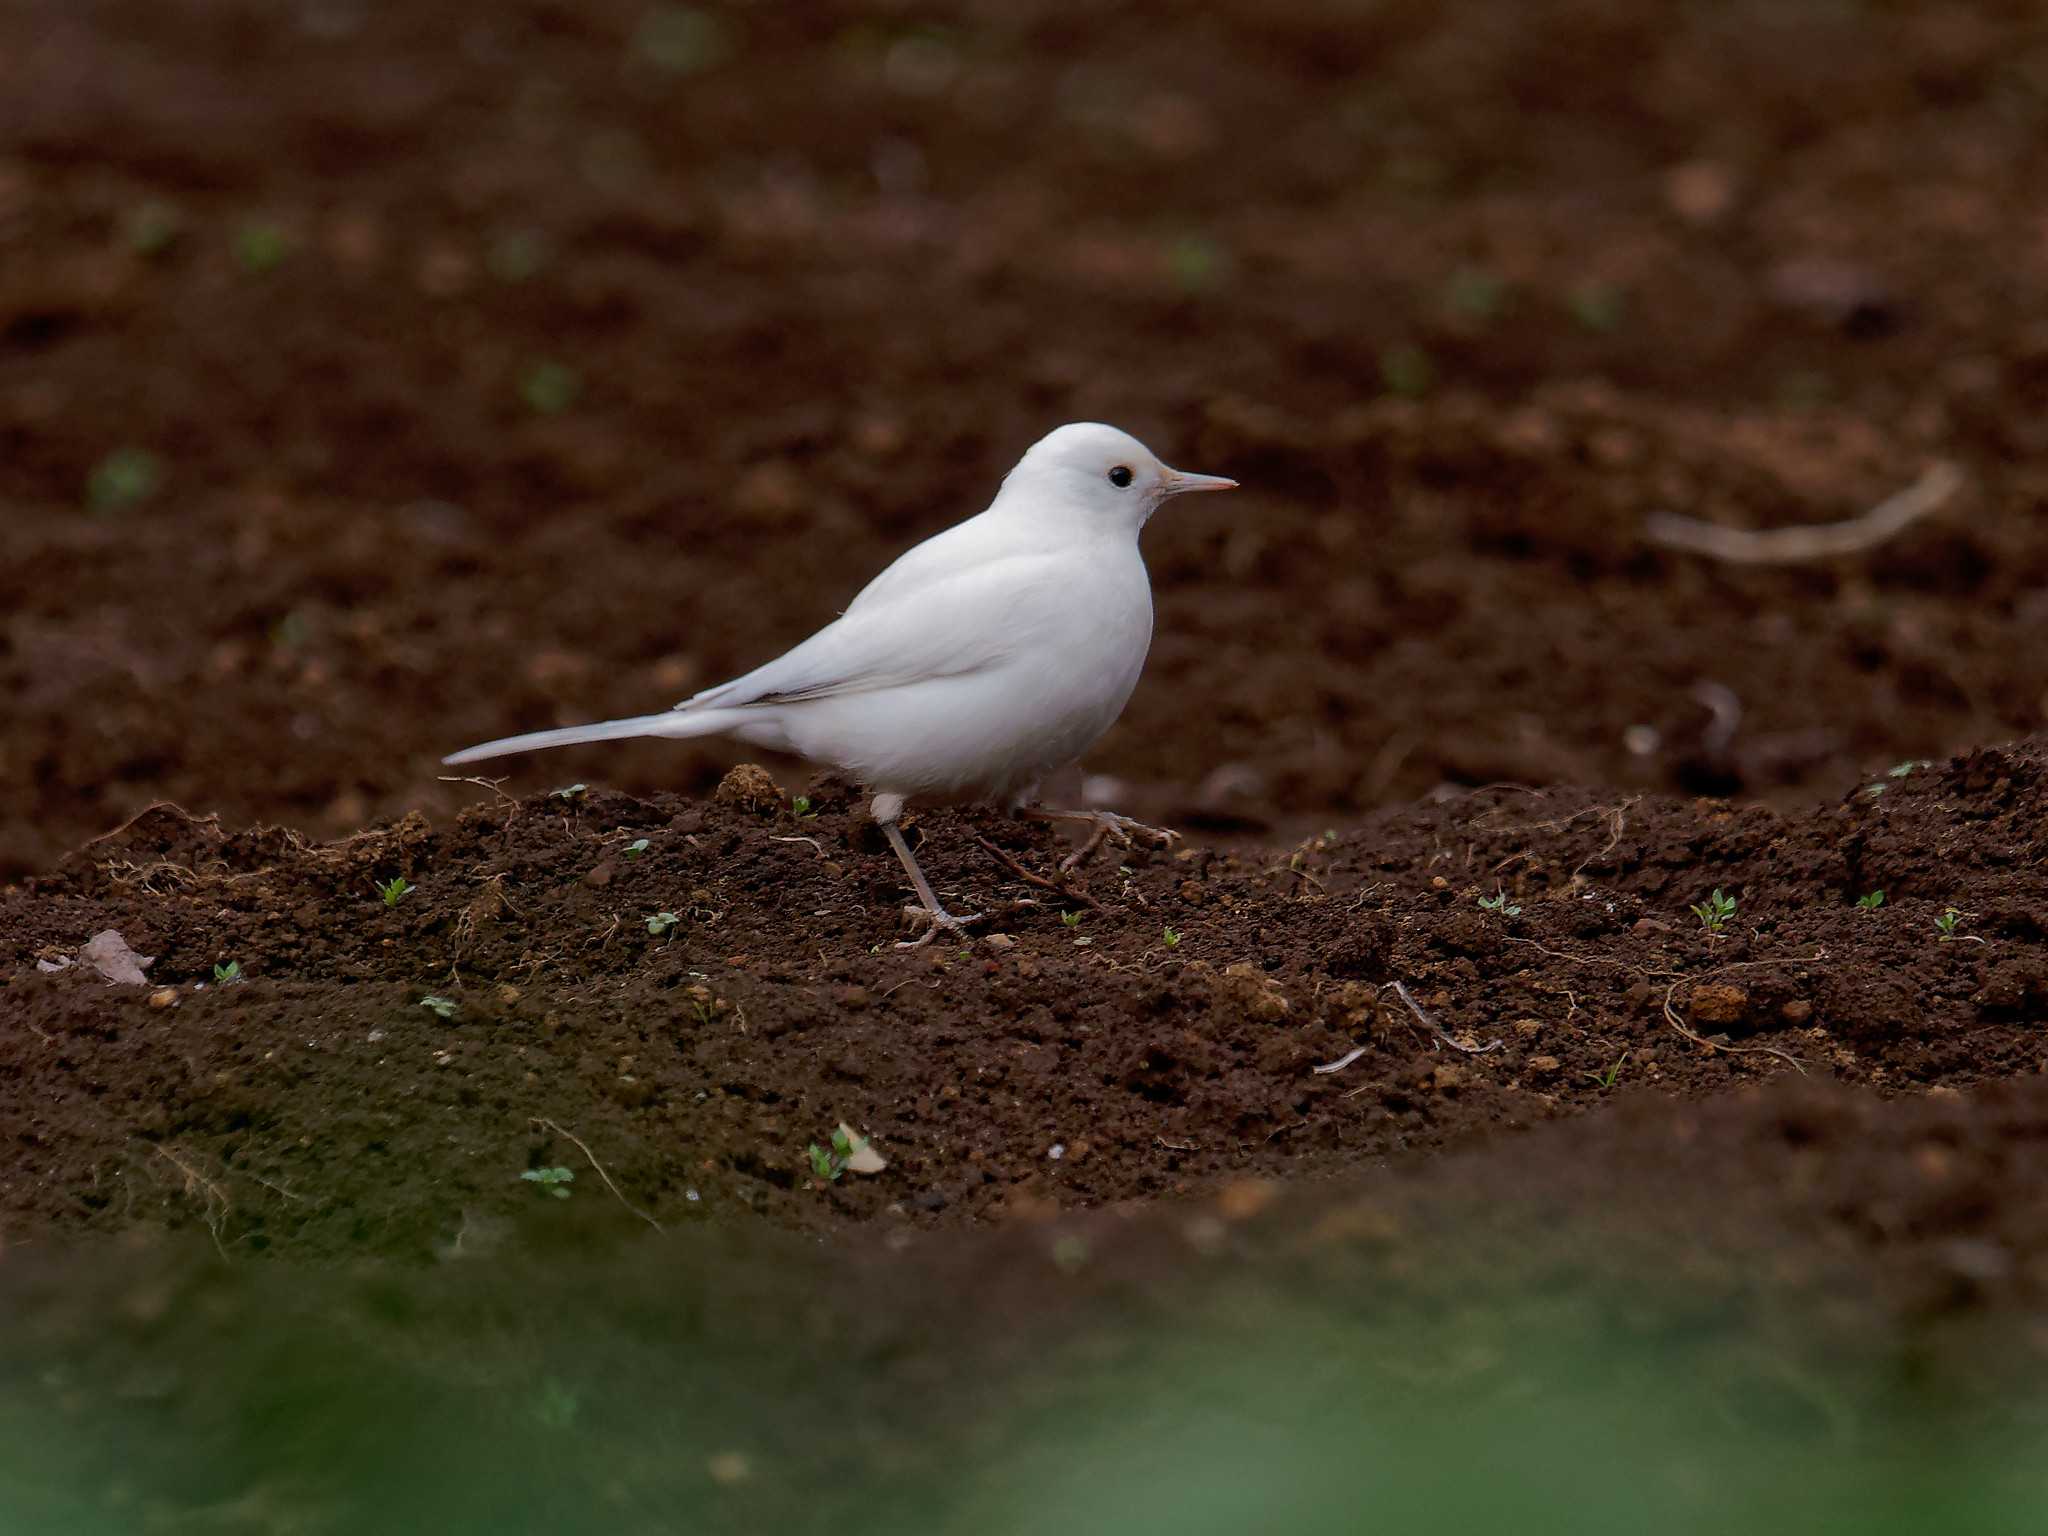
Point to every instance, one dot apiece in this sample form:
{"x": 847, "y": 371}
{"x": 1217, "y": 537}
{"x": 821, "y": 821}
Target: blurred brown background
{"x": 378, "y": 378}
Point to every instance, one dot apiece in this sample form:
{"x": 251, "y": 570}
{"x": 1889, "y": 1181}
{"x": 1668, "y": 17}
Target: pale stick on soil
{"x": 550, "y": 1125}
{"x": 1816, "y": 541}
{"x": 1400, "y": 990}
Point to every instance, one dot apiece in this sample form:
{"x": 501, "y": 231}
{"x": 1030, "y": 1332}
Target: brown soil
{"x": 700, "y": 1011}
{"x": 1750, "y": 263}
{"x": 379, "y": 379}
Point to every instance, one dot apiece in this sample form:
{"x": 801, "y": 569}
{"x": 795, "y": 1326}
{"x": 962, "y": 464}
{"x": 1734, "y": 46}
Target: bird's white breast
{"x": 1072, "y": 629}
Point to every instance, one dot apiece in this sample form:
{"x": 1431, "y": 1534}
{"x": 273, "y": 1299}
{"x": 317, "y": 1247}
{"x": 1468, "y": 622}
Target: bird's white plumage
{"x": 980, "y": 661}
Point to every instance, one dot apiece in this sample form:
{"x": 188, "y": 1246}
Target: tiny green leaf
{"x": 123, "y": 478}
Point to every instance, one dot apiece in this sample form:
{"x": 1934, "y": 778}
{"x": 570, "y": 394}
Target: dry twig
{"x": 1058, "y": 887}
{"x": 1814, "y": 541}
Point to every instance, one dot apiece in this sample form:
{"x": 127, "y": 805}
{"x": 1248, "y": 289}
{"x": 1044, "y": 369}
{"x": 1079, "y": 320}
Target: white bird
{"x": 981, "y": 661}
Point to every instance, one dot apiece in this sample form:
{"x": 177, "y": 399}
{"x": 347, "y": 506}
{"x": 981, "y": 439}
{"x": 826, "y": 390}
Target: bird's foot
{"x": 937, "y": 920}
{"x": 1122, "y": 830}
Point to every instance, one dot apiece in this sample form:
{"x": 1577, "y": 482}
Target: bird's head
{"x": 1104, "y": 476}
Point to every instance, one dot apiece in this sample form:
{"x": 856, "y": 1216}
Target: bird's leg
{"x": 935, "y": 915}
{"x": 1104, "y": 825}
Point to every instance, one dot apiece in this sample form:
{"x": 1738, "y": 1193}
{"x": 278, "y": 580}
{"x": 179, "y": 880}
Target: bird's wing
{"x": 942, "y": 626}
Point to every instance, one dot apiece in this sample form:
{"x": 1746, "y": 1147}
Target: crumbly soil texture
{"x": 370, "y": 1044}
{"x": 375, "y": 380}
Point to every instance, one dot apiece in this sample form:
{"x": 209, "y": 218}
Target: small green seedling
{"x": 261, "y": 246}
{"x": 1606, "y": 1079}
{"x": 636, "y": 847}
{"x": 829, "y": 1165}
{"x": 394, "y": 890}
{"x": 1715, "y": 911}
{"x": 1406, "y": 370}
{"x": 1901, "y": 770}
{"x": 441, "y": 1007}
{"x": 1170, "y": 937}
{"x": 683, "y": 39}
{"x": 549, "y": 388}
{"x": 517, "y": 255}
{"x": 1948, "y": 922}
{"x": 1598, "y": 306}
{"x": 848, "y": 1151}
{"x": 555, "y": 1181}
{"x": 801, "y": 808}
{"x": 223, "y": 974}
{"x": 1197, "y": 264}
{"x": 122, "y": 479}
{"x": 153, "y": 228}
{"x": 660, "y": 923}
{"x": 1475, "y": 295}
{"x": 570, "y": 792}
{"x": 1071, "y": 919}
{"x": 1498, "y": 902}
{"x": 1870, "y": 902}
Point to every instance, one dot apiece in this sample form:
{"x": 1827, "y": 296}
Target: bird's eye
{"x": 1120, "y": 477}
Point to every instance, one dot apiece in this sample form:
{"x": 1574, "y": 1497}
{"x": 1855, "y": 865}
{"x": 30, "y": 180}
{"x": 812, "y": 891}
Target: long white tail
{"x": 670, "y": 722}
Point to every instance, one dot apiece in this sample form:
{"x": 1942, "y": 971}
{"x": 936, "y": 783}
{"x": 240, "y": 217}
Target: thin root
{"x": 1042, "y": 882}
{"x": 550, "y": 1125}
{"x": 1434, "y": 1029}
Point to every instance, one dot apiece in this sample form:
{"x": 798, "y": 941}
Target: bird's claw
{"x": 937, "y": 921}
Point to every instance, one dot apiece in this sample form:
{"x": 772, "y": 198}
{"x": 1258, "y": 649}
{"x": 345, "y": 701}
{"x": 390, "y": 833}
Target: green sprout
{"x": 1900, "y": 770}
{"x": 1170, "y": 937}
{"x": 1870, "y": 902}
{"x": 153, "y": 228}
{"x": 223, "y": 974}
{"x": 1947, "y": 923}
{"x": 660, "y": 923}
{"x": 1406, "y": 370}
{"x": 1197, "y": 263}
{"x": 1475, "y": 294}
{"x": 800, "y": 807}
{"x": 549, "y": 388}
{"x": 636, "y": 847}
{"x": 123, "y": 478}
{"x": 394, "y": 890}
{"x": 1498, "y": 902}
{"x": 569, "y": 792}
{"x": 829, "y": 1165}
{"x": 261, "y": 246}
{"x": 555, "y": 1181}
{"x": 1606, "y": 1079}
{"x": 517, "y": 255}
{"x": 1071, "y": 919}
{"x": 1715, "y": 911}
{"x": 682, "y": 39}
{"x": 1597, "y": 306}
{"x": 440, "y": 1007}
